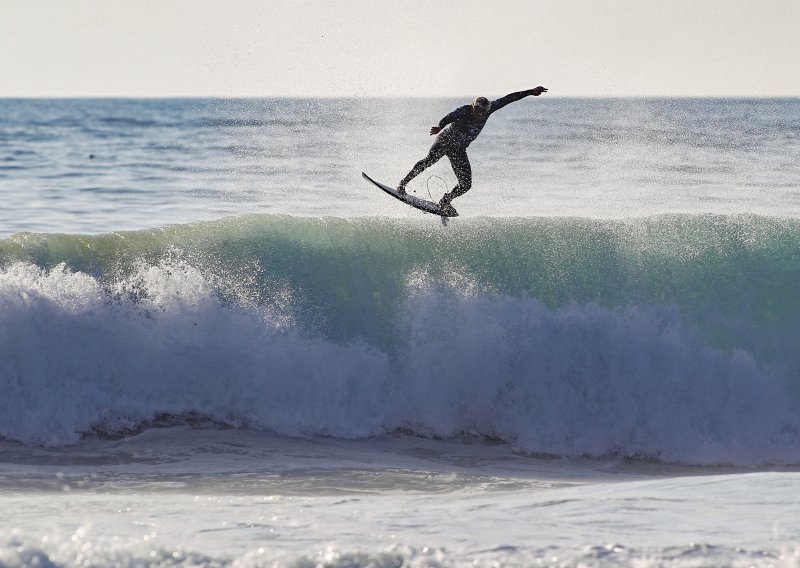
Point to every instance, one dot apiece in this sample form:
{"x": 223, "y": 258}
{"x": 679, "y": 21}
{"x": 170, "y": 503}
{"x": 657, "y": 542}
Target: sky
{"x": 351, "y": 48}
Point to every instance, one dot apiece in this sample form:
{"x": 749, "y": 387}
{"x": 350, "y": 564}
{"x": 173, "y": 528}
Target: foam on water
{"x": 566, "y": 337}
{"x": 20, "y": 552}
{"x": 718, "y": 520}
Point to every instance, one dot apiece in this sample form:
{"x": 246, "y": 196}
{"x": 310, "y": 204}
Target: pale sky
{"x": 399, "y": 48}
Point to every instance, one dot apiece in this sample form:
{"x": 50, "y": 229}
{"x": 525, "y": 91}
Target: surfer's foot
{"x": 444, "y": 202}
{"x": 401, "y": 189}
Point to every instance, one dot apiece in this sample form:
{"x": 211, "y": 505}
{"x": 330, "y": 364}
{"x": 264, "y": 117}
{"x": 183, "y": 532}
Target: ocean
{"x": 220, "y": 346}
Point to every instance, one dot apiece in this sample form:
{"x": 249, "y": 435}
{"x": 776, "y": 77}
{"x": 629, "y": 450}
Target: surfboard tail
{"x": 413, "y": 201}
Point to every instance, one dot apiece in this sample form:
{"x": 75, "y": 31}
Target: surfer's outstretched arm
{"x": 513, "y": 97}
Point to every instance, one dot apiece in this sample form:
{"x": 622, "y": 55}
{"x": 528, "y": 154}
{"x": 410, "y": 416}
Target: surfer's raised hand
{"x": 538, "y": 91}
{"x": 435, "y": 130}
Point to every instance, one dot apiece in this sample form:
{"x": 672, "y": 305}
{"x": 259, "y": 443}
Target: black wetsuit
{"x": 453, "y": 141}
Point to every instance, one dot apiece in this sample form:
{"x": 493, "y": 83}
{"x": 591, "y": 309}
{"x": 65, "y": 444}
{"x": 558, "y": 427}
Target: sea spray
{"x": 670, "y": 338}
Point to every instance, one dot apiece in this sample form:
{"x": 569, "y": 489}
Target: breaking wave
{"x": 672, "y": 337}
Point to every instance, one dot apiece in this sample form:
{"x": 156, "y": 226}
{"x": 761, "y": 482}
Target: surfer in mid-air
{"x": 466, "y": 123}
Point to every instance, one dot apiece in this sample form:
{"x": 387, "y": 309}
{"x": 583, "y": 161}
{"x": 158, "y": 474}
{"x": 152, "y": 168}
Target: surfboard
{"x": 421, "y": 204}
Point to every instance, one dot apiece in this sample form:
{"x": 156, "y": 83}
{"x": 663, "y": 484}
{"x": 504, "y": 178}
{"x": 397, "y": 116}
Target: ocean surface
{"x": 219, "y": 346}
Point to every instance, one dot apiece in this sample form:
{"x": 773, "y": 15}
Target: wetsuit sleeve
{"x": 510, "y": 98}
{"x": 453, "y": 116}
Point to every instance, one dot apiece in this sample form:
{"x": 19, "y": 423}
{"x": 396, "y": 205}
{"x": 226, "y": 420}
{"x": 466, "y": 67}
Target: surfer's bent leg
{"x": 460, "y": 163}
{"x": 434, "y": 155}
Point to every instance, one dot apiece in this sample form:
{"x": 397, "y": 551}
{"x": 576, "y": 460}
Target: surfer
{"x": 466, "y": 123}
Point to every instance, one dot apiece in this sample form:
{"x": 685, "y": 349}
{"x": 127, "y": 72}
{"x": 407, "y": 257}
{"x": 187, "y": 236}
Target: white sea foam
{"x": 80, "y": 355}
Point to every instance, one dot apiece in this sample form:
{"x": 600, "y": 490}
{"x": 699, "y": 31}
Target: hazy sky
{"x": 402, "y": 48}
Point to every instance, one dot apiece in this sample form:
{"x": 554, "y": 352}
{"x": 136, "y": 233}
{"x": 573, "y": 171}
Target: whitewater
{"x": 561, "y": 337}
{"x": 218, "y": 346}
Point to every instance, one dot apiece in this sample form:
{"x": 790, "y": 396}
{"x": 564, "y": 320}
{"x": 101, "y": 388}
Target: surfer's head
{"x": 481, "y": 106}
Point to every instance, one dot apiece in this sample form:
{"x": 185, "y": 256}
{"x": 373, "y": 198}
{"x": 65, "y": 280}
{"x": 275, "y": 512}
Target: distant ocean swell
{"x": 670, "y": 337}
